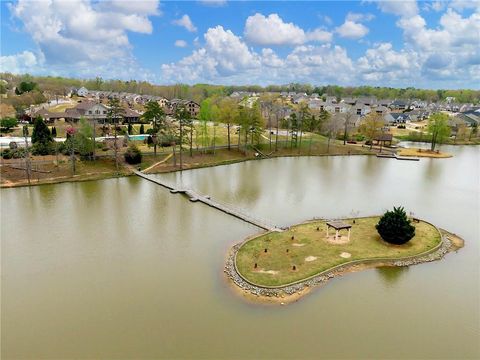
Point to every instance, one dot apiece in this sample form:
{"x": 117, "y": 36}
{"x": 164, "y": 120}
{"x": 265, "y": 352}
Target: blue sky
{"x": 428, "y": 44}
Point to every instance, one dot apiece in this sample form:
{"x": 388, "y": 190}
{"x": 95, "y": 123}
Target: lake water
{"x": 122, "y": 268}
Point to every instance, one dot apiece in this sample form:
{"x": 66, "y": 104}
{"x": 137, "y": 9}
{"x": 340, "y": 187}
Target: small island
{"x": 283, "y": 266}
{"x": 418, "y": 152}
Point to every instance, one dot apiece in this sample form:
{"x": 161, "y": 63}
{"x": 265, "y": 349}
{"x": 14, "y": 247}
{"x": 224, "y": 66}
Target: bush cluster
{"x": 133, "y": 155}
{"x": 16, "y": 153}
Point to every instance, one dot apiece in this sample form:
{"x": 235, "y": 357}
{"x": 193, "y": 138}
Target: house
{"x": 384, "y": 102}
{"x": 470, "y": 118}
{"x": 397, "y": 118}
{"x": 418, "y": 104}
{"x": 69, "y": 91}
{"x": 88, "y": 109}
{"x": 299, "y": 98}
{"x": 349, "y": 101}
{"x": 399, "y": 104}
{"x": 83, "y": 91}
{"x": 361, "y": 109}
{"x": 369, "y": 101}
{"x": 163, "y": 103}
{"x": 418, "y": 115}
{"x": 381, "y": 109}
{"x": 46, "y": 115}
{"x": 131, "y": 116}
{"x": 317, "y": 104}
{"x": 336, "y": 108}
{"x": 92, "y": 110}
{"x": 192, "y": 107}
{"x": 331, "y": 99}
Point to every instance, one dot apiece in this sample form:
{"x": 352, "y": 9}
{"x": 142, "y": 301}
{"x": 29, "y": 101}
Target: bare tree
{"x": 348, "y": 118}
{"x": 114, "y": 113}
{"x": 332, "y": 126}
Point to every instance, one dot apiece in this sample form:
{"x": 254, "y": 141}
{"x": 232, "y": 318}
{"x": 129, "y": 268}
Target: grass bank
{"x": 49, "y": 170}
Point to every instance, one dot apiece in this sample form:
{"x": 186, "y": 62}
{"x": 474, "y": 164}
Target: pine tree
{"x": 395, "y": 228}
{"x": 41, "y": 137}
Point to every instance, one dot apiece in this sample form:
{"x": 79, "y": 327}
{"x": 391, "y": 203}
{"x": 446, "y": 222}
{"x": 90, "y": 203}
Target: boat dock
{"x": 395, "y": 156}
{"x": 207, "y": 200}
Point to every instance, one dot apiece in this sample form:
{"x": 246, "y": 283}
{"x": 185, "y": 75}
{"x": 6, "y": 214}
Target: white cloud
{"x": 400, "y": 8}
{"x": 326, "y": 63}
{"x": 326, "y": 19}
{"x": 81, "y": 36}
{"x": 185, "y": 22}
{"x": 226, "y": 58}
{"x": 271, "y": 59}
{"x": 223, "y": 55}
{"x": 352, "y": 30}
{"x": 357, "y": 17}
{"x": 382, "y": 63}
{"x": 140, "y": 7}
{"x": 464, "y": 4}
{"x": 272, "y": 30}
{"x": 319, "y": 35}
{"x": 23, "y": 62}
{"x": 180, "y": 43}
{"x": 449, "y": 52}
{"x": 434, "y": 6}
{"x": 213, "y": 2}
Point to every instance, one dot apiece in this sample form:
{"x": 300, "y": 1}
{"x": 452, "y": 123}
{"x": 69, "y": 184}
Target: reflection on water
{"x": 391, "y": 275}
{"x": 122, "y": 268}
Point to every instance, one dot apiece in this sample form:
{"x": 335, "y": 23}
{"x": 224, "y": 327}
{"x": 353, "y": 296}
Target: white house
{"x": 82, "y": 91}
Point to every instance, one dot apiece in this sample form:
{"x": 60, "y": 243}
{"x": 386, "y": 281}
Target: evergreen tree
{"x": 155, "y": 114}
{"x": 41, "y": 137}
{"x": 54, "y": 132}
{"x": 142, "y": 129}
{"x": 395, "y": 228}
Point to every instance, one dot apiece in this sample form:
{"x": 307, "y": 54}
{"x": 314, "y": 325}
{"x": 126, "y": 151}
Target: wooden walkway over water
{"x": 395, "y": 156}
{"x": 196, "y": 197}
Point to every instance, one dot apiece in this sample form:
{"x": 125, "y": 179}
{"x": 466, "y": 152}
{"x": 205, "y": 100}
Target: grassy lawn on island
{"x": 422, "y": 153}
{"x": 311, "y": 253}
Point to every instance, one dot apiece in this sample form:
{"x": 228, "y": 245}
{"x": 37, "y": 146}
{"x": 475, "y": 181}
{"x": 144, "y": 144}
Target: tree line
{"x": 198, "y": 92}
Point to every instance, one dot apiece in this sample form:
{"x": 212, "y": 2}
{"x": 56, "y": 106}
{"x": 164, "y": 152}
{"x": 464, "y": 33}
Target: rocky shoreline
{"x": 282, "y": 292}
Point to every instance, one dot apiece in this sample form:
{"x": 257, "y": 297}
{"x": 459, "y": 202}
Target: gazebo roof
{"x": 338, "y": 224}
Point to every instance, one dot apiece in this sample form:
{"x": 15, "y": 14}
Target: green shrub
{"x": 43, "y": 148}
{"x": 167, "y": 140}
{"x": 17, "y": 153}
{"x": 6, "y": 124}
{"x": 395, "y": 228}
{"x": 7, "y": 154}
{"x": 133, "y": 155}
{"x": 142, "y": 129}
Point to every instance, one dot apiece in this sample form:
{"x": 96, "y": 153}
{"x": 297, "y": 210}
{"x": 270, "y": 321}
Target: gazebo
{"x": 338, "y": 225}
